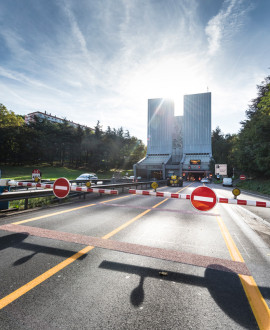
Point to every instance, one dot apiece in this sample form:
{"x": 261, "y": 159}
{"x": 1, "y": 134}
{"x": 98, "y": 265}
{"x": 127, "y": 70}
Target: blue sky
{"x": 89, "y": 60}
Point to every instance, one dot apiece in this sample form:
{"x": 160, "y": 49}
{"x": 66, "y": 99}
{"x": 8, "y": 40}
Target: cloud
{"x": 225, "y": 24}
{"x": 106, "y": 58}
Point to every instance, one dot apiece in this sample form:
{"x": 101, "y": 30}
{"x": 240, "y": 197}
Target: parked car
{"x": 87, "y": 177}
{"x": 227, "y": 182}
{"x": 205, "y": 180}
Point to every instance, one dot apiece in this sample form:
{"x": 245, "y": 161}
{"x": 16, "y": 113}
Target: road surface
{"x": 49, "y": 283}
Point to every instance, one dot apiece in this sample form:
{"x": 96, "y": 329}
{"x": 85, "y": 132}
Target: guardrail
{"x": 26, "y": 195}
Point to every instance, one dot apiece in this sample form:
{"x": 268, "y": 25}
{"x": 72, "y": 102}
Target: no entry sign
{"x": 36, "y": 174}
{"x": 203, "y": 198}
{"x": 61, "y": 187}
{"x": 242, "y": 177}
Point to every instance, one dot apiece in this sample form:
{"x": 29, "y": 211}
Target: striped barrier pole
{"x": 95, "y": 190}
{"x": 182, "y": 196}
{"x": 29, "y": 184}
{"x": 158, "y": 194}
{"x": 243, "y": 202}
{"x": 72, "y": 188}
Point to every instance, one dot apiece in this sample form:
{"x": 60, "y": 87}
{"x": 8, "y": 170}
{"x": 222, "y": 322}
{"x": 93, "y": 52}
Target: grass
{"x": 257, "y": 185}
{"x": 32, "y": 202}
{"x": 49, "y": 172}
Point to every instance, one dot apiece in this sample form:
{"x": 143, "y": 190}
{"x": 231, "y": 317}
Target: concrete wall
{"x": 197, "y": 123}
{"x": 160, "y": 126}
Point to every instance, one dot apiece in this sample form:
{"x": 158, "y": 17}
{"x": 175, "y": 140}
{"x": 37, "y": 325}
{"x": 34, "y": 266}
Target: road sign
{"x": 154, "y": 185}
{"x": 242, "y": 177}
{"x": 61, "y": 187}
{"x": 221, "y": 169}
{"x": 203, "y": 198}
{"x": 236, "y": 192}
{"x": 36, "y": 174}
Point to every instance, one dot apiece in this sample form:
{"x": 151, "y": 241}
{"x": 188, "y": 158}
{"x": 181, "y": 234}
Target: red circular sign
{"x": 242, "y": 177}
{"x": 203, "y": 198}
{"x": 61, "y": 187}
{"x": 36, "y": 171}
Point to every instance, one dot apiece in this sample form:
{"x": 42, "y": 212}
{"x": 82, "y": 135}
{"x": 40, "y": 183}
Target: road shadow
{"x": 224, "y": 287}
{"x": 17, "y": 241}
{"x": 12, "y": 240}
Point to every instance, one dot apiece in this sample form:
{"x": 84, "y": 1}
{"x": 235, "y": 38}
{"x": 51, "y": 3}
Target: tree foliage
{"x": 254, "y": 136}
{"x": 249, "y": 150}
{"x": 8, "y": 118}
{"x": 62, "y": 144}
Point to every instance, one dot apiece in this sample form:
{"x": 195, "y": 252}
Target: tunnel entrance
{"x": 156, "y": 175}
{"x": 195, "y": 176}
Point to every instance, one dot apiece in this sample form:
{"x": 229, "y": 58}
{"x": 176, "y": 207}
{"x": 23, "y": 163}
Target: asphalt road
{"x": 45, "y": 283}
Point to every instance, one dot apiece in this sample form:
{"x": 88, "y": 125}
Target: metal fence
{"x": 27, "y": 194}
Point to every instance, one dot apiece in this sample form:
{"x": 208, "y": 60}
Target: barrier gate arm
{"x": 50, "y": 186}
{"x": 29, "y": 184}
{"x": 183, "y": 196}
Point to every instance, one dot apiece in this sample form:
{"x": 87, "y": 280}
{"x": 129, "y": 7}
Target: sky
{"x": 89, "y": 60}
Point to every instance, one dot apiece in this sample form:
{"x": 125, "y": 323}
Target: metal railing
{"x": 28, "y": 194}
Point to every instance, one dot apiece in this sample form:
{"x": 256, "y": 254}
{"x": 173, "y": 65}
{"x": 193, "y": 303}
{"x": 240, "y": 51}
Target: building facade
{"x": 38, "y": 115}
{"x": 178, "y": 145}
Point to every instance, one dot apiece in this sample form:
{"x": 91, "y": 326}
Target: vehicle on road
{"x": 175, "y": 180}
{"x": 88, "y": 177}
{"x": 205, "y": 180}
{"x": 227, "y": 182}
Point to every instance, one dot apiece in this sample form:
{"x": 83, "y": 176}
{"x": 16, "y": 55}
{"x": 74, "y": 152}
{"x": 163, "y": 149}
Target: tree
{"x": 8, "y": 118}
{"x": 254, "y": 138}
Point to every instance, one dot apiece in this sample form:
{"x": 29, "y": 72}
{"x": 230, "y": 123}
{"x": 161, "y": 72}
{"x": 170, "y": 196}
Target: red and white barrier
{"x": 158, "y": 194}
{"x": 95, "y": 190}
{"x": 182, "y": 196}
{"x": 72, "y": 188}
{"x": 243, "y": 202}
{"x": 29, "y": 184}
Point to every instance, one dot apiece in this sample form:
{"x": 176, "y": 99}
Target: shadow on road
{"x": 16, "y": 241}
{"x": 224, "y": 287}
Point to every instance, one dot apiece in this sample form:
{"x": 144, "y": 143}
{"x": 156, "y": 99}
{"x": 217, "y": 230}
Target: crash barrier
{"x": 65, "y": 186}
{"x": 29, "y": 194}
{"x": 202, "y": 198}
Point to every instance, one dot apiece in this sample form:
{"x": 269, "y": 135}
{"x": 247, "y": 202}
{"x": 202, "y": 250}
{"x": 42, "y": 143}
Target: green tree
{"x": 253, "y": 152}
{"x": 8, "y": 118}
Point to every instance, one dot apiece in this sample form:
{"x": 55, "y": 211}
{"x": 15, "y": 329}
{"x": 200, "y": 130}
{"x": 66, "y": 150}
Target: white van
{"x": 227, "y": 182}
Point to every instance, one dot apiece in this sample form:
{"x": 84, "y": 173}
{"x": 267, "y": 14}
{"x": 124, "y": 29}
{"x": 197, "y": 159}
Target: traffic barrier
{"x": 95, "y": 190}
{"x": 29, "y": 184}
{"x": 182, "y": 196}
{"x": 52, "y": 186}
{"x": 243, "y": 202}
{"x": 158, "y": 194}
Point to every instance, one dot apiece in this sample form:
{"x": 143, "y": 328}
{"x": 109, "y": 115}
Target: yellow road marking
{"x": 153, "y": 207}
{"x": 52, "y": 214}
{"x": 257, "y": 303}
{"x": 43, "y": 277}
{"x": 65, "y": 211}
{"x": 115, "y": 231}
